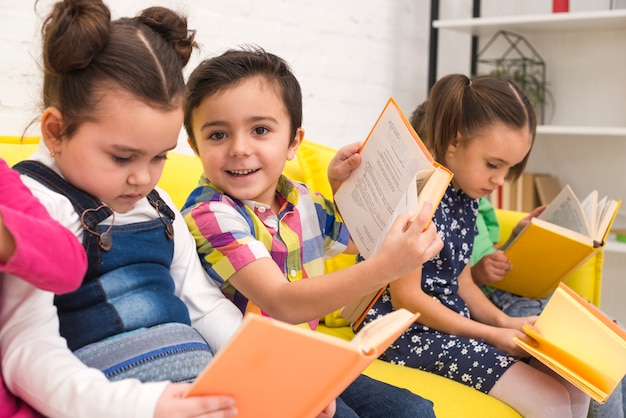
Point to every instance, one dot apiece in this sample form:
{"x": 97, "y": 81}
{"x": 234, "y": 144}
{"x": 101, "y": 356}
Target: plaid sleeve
{"x": 224, "y": 240}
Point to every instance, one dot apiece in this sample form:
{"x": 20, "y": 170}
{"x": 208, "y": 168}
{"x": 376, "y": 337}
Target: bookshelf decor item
{"x": 509, "y": 55}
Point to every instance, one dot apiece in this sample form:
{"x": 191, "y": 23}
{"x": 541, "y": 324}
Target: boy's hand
{"x": 172, "y": 404}
{"x": 342, "y": 165}
{"x": 408, "y": 245}
{"x": 491, "y": 268}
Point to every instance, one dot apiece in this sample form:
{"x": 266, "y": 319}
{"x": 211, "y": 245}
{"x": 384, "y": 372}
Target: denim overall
{"x": 125, "y": 318}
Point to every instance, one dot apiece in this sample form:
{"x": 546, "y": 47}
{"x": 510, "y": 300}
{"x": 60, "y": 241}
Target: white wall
{"x": 349, "y": 56}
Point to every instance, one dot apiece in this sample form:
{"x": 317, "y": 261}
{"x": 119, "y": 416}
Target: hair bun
{"x": 172, "y": 27}
{"x": 83, "y": 24}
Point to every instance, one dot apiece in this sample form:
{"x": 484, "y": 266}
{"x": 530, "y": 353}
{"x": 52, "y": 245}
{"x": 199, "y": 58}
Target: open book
{"x": 397, "y": 175}
{"x": 274, "y": 369}
{"x": 579, "y": 342}
{"x": 554, "y": 244}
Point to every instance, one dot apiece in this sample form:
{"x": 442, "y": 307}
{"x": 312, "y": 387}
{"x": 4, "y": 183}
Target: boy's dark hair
{"x": 230, "y": 68}
{"x": 85, "y": 54}
{"x": 457, "y": 104}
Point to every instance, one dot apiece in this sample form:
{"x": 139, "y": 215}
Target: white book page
{"x": 601, "y": 210}
{"x": 590, "y": 208}
{"x": 368, "y": 198}
{"x": 565, "y": 210}
{"x": 605, "y": 217}
{"x": 407, "y": 204}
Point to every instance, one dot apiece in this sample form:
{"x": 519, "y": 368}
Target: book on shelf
{"x": 526, "y": 192}
{"x": 273, "y": 369}
{"x": 519, "y": 195}
{"x": 554, "y": 244}
{"x": 548, "y": 187}
{"x": 397, "y": 175}
{"x": 579, "y": 342}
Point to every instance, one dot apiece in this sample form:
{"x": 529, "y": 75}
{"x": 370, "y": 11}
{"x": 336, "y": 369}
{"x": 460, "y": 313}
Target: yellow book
{"x": 579, "y": 342}
{"x": 274, "y": 369}
{"x": 556, "y": 243}
{"x": 397, "y": 175}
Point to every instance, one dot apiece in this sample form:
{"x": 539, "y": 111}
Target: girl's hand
{"x": 502, "y": 339}
{"x": 526, "y": 220}
{"x": 342, "y": 165}
{"x": 491, "y": 268}
{"x": 519, "y": 322}
{"x": 171, "y": 404}
{"x": 329, "y": 411}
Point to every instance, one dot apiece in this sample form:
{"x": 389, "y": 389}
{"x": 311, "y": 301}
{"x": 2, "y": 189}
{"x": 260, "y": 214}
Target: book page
{"x": 601, "y": 208}
{"x": 566, "y": 211}
{"x": 606, "y": 216}
{"x": 408, "y": 203}
{"x": 391, "y": 157}
{"x": 590, "y": 208}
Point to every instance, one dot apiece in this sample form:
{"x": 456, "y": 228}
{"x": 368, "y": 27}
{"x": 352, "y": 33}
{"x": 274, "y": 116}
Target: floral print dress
{"x": 466, "y": 360}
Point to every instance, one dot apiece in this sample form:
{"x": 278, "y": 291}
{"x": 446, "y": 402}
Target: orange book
{"x": 579, "y": 342}
{"x": 397, "y": 175}
{"x": 274, "y": 369}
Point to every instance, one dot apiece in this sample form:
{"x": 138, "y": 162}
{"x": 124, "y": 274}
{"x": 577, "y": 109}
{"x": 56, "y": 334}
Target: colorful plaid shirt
{"x": 230, "y": 233}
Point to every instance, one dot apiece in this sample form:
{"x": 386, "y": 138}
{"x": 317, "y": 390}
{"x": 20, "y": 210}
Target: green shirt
{"x": 488, "y": 234}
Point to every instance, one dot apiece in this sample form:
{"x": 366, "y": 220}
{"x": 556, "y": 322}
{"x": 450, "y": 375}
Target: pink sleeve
{"x": 47, "y": 254}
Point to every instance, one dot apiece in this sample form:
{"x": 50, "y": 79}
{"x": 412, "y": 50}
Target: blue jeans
{"x": 614, "y": 406}
{"x": 370, "y": 398}
{"x": 514, "y": 305}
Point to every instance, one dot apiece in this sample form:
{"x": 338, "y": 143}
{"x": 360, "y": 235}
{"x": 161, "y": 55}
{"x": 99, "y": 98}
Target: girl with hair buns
{"x": 145, "y": 314}
{"x": 483, "y": 130}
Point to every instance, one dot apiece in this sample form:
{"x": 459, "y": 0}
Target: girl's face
{"x": 119, "y": 157}
{"x": 243, "y": 139}
{"x": 481, "y": 163}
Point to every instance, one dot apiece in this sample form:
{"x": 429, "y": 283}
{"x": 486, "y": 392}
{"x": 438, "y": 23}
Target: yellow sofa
{"x": 451, "y": 399}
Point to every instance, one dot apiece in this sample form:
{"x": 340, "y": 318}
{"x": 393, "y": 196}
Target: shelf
{"x": 574, "y": 21}
{"x": 596, "y": 131}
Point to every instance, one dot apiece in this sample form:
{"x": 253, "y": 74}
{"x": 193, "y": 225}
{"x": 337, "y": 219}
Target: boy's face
{"x": 242, "y": 135}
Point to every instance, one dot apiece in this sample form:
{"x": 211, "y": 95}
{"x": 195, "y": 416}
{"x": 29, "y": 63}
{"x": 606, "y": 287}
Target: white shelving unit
{"x": 557, "y": 22}
{"x": 585, "y": 142}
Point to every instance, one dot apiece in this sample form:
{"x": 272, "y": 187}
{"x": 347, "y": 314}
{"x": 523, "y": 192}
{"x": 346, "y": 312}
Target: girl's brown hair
{"x": 85, "y": 54}
{"x": 458, "y": 105}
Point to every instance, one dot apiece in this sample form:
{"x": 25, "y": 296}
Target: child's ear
{"x": 295, "y": 143}
{"x": 453, "y": 146}
{"x": 51, "y": 129}
{"x": 192, "y": 145}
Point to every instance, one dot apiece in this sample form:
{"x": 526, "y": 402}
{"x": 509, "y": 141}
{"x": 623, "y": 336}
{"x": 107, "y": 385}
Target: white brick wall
{"x": 349, "y": 56}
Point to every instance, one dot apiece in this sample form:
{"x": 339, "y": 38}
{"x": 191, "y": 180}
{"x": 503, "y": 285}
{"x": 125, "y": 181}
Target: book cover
{"x": 397, "y": 175}
{"x": 274, "y": 369}
{"x": 579, "y": 342}
{"x": 541, "y": 256}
